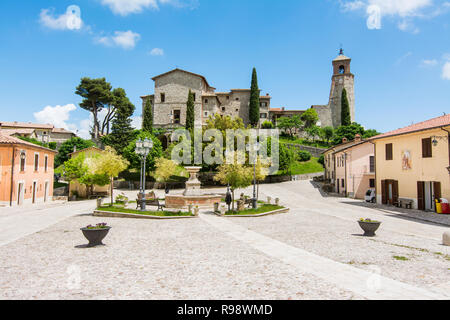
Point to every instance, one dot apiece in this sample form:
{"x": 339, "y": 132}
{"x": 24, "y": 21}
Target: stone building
{"x": 42, "y": 132}
{"x": 171, "y": 94}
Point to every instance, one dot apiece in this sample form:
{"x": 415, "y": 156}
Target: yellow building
{"x": 413, "y": 163}
{"x": 80, "y": 190}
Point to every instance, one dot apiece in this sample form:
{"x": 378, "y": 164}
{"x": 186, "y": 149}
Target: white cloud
{"x": 429, "y": 63}
{"x": 157, "y": 52}
{"x": 446, "y": 71}
{"x": 70, "y": 20}
{"x": 57, "y": 115}
{"x": 126, "y": 7}
{"x": 405, "y": 10}
{"x": 124, "y": 39}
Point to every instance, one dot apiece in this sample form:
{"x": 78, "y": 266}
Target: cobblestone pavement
{"x": 193, "y": 259}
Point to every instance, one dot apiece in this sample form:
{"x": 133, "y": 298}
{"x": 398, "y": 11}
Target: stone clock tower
{"x": 342, "y": 78}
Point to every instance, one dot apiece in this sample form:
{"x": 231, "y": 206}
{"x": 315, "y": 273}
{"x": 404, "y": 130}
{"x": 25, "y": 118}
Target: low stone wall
{"x": 315, "y": 152}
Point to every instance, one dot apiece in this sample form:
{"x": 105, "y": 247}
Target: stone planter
{"x": 196, "y": 211}
{"x": 95, "y": 236}
{"x": 216, "y": 207}
{"x": 369, "y": 227}
{"x": 269, "y": 200}
{"x": 99, "y": 202}
{"x": 240, "y": 205}
{"x": 223, "y": 210}
{"x": 277, "y": 201}
{"x": 190, "y": 206}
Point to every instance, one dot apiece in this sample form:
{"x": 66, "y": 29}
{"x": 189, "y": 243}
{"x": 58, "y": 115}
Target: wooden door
{"x": 34, "y": 192}
{"x": 394, "y": 192}
{"x": 421, "y": 195}
{"x": 437, "y": 190}
{"x": 383, "y": 192}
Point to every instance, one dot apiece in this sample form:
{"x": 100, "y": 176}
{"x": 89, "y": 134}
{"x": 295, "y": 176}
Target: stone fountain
{"x": 192, "y": 194}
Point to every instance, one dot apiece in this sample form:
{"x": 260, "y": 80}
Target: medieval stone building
{"x": 171, "y": 94}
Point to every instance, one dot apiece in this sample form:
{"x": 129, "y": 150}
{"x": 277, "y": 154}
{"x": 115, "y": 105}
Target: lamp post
{"x": 254, "y": 148}
{"x": 143, "y": 148}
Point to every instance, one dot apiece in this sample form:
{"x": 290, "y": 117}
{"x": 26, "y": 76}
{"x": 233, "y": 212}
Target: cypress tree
{"x": 190, "y": 112}
{"x": 147, "y": 118}
{"x": 121, "y": 130}
{"x": 345, "y": 109}
{"x": 254, "y": 100}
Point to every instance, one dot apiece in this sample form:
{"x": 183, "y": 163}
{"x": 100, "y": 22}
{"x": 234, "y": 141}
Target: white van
{"x": 370, "y": 196}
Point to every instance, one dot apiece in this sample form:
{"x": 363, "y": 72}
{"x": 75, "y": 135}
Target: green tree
{"x": 96, "y": 95}
{"x": 346, "y": 119}
{"x": 286, "y": 158}
{"x": 121, "y": 130}
{"x": 68, "y": 147}
{"x": 348, "y": 132}
{"x": 147, "y": 117}
{"x": 190, "y": 112}
{"x": 165, "y": 169}
{"x": 236, "y": 175}
{"x": 135, "y": 161}
{"x": 110, "y": 163}
{"x": 267, "y": 125}
{"x": 254, "y": 100}
{"x": 313, "y": 132}
{"x": 310, "y": 117}
{"x": 370, "y": 133}
{"x": 290, "y": 124}
{"x": 327, "y": 133}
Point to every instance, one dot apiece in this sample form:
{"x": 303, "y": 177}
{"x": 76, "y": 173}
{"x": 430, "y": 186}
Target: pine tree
{"x": 147, "y": 117}
{"x": 254, "y": 100}
{"x": 121, "y": 130}
{"x": 345, "y": 109}
{"x": 190, "y": 112}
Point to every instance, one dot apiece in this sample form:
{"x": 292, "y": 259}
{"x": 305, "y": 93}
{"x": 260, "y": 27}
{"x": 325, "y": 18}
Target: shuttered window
{"x": 427, "y": 151}
{"x": 372, "y": 164}
{"x": 389, "y": 153}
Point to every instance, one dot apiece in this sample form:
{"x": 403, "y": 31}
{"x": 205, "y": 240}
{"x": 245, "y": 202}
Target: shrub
{"x": 267, "y": 125}
{"x": 303, "y": 156}
{"x": 321, "y": 160}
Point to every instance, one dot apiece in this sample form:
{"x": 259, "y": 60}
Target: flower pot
{"x": 269, "y": 200}
{"x": 196, "y": 211}
{"x": 277, "y": 201}
{"x": 95, "y": 236}
{"x": 369, "y": 227}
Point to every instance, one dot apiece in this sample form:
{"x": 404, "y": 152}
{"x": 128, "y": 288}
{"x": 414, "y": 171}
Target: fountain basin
{"x": 182, "y": 201}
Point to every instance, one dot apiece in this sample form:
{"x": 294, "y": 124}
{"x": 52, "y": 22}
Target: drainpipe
{"x": 345, "y": 173}
{"x": 12, "y": 177}
{"x": 448, "y": 133}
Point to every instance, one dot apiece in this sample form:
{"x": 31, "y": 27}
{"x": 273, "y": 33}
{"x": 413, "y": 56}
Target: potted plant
{"x": 269, "y": 200}
{"x": 196, "y": 210}
{"x": 95, "y": 234}
{"x": 277, "y": 201}
{"x": 369, "y": 226}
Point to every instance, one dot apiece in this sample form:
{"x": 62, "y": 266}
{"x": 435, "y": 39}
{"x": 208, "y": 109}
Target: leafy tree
{"x": 109, "y": 163}
{"x": 346, "y": 119}
{"x": 327, "y": 133}
{"x": 267, "y": 125}
{"x": 224, "y": 123}
{"x": 135, "y": 160}
{"x": 37, "y": 142}
{"x": 190, "y": 112}
{"x": 370, "y": 133}
{"x": 286, "y": 158}
{"x": 254, "y": 100}
{"x": 321, "y": 160}
{"x": 313, "y": 131}
{"x": 96, "y": 95}
{"x": 165, "y": 169}
{"x": 121, "y": 130}
{"x": 147, "y": 117}
{"x": 348, "y": 132}
{"x": 53, "y": 145}
{"x": 310, "y": 117}
{"x": 303, "y": 156}
{"x": 236, "y": 175}
{"x": 68, "y": 147}
{"x": 75, "y": 168}
{"x": 290, "y": 124}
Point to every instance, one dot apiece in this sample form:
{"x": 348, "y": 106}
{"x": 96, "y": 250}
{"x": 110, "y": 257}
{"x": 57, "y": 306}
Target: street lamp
{"x": 254, "y": 148}
{"x": 143, "y": 148}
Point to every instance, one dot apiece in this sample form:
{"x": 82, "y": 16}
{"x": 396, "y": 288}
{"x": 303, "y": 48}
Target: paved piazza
{"x": 314, "y": 252}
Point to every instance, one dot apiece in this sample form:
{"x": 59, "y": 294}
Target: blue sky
{"x": 400, "y": 51}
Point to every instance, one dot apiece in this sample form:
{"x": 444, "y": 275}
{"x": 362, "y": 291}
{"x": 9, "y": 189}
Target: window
{"x": 237, "y": 99}
{"x": 389, "y": 153}
{"x": 206, "y": 113}
{"x": 46, "y": 163}
{"x": 228, "y": 97}
{"x": 372, "y": 164}
{"x": 163, "y": 97}
{"x": 372, "y": 183}
{"x": 341, "y": 69}
{"x": 206, "y": 100}
{"x": 36, "y": 161}
{"x": 264, "y": 115}
{"x": 223, "y": 108}
{"x": 23, "y": 157}
{"x": 427, "y": 151}
{"x": 193, "y": 96}
{"x": 177, "y": 116}
{"x": 263, "y": 104}
{"x": 343, "y": 183}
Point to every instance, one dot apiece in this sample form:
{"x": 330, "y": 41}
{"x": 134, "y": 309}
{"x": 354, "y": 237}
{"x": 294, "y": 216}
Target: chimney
{"x": 267, "y": 95}
{"x": 358, "y": 137}
{"x": 344, "y": 140}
